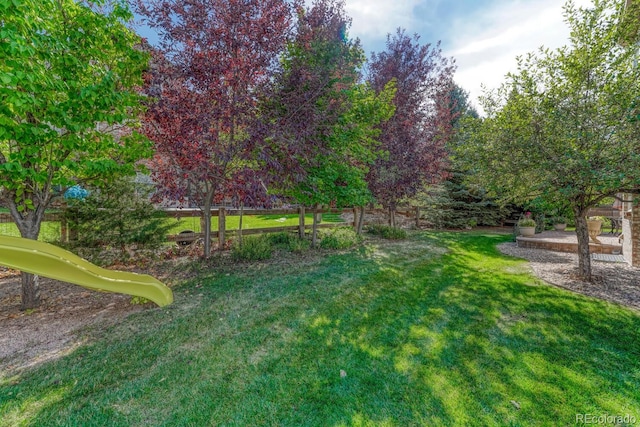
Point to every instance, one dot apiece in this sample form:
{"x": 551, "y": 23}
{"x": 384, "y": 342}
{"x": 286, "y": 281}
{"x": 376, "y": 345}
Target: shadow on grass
{"x": 430, "y": 331}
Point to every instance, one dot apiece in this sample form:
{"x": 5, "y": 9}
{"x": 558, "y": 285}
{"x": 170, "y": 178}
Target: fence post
{"x": 73, "y": 230}
{"x": 361, "y": 220}
{"x": 355, "y": 219}
{"x": 63, "y": 230}
{"x": 301, "y": 222}
{"x": 222, "y": 225}
{"x": 417, "y": 216}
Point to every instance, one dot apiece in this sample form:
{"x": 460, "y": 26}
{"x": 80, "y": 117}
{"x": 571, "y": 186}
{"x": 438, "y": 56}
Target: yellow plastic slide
{"x": 53, "y": 262}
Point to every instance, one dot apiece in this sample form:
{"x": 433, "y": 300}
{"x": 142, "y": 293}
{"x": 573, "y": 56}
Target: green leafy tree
{"x": 564, "y": 127}
{"x": 321, "y": 120}
{"x": 68, "y": 102}
{"x": 630, "y": 33}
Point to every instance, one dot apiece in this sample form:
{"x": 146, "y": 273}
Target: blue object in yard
{"x": 76, "y": 192}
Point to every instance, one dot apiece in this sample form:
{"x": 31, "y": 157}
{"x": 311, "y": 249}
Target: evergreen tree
{"x": 456, "y": 203}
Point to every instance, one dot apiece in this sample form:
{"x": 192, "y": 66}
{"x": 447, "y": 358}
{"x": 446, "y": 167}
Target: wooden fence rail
{"x": 222, "y": 213}
{"x": 68, "y": 233}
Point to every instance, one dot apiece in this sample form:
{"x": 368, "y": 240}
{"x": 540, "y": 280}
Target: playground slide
{"x": 53, "y": 262}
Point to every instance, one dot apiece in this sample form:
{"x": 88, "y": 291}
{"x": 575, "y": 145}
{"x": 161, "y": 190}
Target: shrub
{"x": 253, "y": 248}
{"x": 299, "y": 245}
{"x": 387, "y": 232}
{"x": 281, "y": 239}
{"x": 118, "y": 215}
{"x": 339, "y": 238}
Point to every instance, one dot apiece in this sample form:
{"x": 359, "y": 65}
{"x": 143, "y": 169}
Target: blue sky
{"x": 484, "y": 36}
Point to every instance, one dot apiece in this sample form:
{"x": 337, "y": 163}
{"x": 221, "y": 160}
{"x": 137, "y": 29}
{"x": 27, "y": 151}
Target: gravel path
{"x": 616, "y": 282}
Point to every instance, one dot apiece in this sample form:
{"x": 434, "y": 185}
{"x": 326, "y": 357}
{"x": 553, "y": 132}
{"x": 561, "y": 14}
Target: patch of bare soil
{"x": 30, "y": 337}
{"x": 615, "y": 282}
{"x": 33, "y": 336}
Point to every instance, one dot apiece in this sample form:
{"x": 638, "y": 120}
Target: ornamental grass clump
{"x": 288, "y": 242}
{"x": 252, "y": 248}
{"x": 387, "y": 232}
{"x": 339, "y": 238}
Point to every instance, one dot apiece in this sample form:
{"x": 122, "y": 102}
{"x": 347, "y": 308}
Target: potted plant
{"x": 594, "y": 225}
{"x": 559, "y": 223}
{"x": 527, "y": 226}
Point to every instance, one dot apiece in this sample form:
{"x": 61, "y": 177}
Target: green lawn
{"x": 50, "y": 230}
{"x": 437, "y": 330}
{"x": 249, "y": 222}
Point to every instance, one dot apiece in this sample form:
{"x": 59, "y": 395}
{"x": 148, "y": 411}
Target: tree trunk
{"x": 222, "y": 228}
{"x": 240, "y": 224}
{"x": 29, "y": 226}
{"x": 584, "y": 257}
{"x": 360, "y": 220}
{"x": 392, "y": 216}
{"x": 206, "y": 214}
{"x": 207, "y": 231}
{"x": 301, "y": 222}
{"x": 355, "y": 219}
{"x": 314, "y": 233}
{"x": 30, "y": 291}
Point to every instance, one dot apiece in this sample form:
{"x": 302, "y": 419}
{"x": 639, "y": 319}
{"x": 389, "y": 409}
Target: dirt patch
{"x": 31, "y": 337}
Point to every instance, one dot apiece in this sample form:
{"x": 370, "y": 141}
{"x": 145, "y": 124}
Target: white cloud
{"x": 486, "y": 45}
{"x": 374, "y": 19}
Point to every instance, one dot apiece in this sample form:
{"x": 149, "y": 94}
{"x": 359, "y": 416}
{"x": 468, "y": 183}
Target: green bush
{"x": 456, "y": 203}
{"x": 281, "y": 239}
{"x": 387, "y": 232}
{"x": 288, "y": 242}
{"x": 118, "y": 215}
{"x": 298, "y": 245}
{"x": 253, "y": 248}
{"x": 339, "y": 238}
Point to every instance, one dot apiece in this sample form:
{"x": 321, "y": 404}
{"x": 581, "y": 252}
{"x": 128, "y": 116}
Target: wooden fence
{"x": 223, "y": 232}
{"x": 49, "y": 217}
{"x": 68, "y": 233}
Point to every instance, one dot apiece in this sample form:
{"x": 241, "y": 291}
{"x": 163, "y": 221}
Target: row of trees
{"x": 249, "y": 99}
{"x": 239, "y": 99}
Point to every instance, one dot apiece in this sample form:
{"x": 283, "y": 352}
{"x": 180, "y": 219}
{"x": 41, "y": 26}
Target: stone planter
{"x": 559, "y": 227}
{"x": 527, "y": 231}
{"x": 595, "y": 227}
